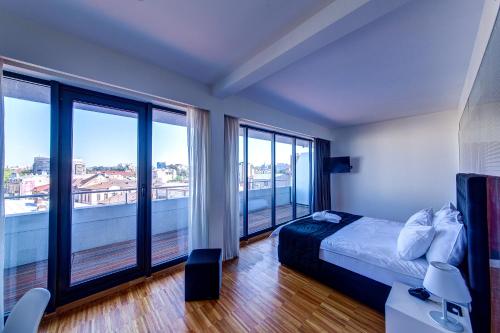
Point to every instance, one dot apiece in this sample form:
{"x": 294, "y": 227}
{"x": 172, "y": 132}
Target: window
{"x": 277, "y": 179}
{"x": 103, "y": 235}
{"x": 27, "y": 185}
{"x": 303, "y": 177}
{"x": 259, "y": 179}
{"x": 118, "y": 205}
{"x": 116, "y": 173}
{"x": 170, "y": 186}
{"x": 241, "y": 179}
{"x": 284, "y": 179}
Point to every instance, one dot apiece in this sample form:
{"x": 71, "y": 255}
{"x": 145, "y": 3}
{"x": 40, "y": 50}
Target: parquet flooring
{"x": 258, "y": 295}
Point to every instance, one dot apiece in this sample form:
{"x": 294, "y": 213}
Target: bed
{"x": 358, "y": 257}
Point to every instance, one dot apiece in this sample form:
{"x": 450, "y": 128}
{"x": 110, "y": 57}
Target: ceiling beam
{"x": 331, "y": 23}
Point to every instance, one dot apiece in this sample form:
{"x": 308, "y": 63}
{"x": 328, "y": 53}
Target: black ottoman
{"x": 203, "y": 274}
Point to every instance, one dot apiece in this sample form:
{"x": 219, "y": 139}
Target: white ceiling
{"x": 411, "y": 61}
{"x": 202, "y": 39}
{"x": 408, "y": 58}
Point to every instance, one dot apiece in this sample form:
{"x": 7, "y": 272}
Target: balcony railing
{"x": 128, "y": 196}
{"x": 41, "y": 195}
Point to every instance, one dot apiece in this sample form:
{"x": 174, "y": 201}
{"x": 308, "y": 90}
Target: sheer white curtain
{"x": 198, "y": 145}
{"x": 232, "y": 202}
{"x": 2, "y": 211}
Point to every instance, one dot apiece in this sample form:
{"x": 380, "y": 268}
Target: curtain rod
{"x": 76, "y": 79}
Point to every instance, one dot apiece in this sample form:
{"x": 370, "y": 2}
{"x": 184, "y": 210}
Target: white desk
{"x": 407, "y": 314}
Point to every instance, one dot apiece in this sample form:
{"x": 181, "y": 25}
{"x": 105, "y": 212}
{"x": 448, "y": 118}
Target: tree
{"x": 6, "y": 175}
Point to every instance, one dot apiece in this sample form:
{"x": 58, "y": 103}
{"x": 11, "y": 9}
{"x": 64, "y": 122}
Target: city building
{"x": 41, "y": 165}
{"x": 79, "y": 167}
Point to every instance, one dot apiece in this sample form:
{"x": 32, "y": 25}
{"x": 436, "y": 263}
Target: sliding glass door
{"x": 104, "y": 191}
{"x": 303, "y": 178}
{"x": 96, "y": 189}
{"x": 242, "y": 185}
{"x": 102, "y": 179}
{"x": 259, "y": 180}
{"x": 284, "y": 179}
{"x": 170, "y": 186}
{"x": 275, "y": 179}
{"x": 27, "y": 186}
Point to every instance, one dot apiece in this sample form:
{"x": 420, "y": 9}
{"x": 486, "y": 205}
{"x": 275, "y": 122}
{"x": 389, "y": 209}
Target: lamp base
{"x": 450, "y": 324}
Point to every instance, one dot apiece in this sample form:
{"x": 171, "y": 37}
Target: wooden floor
{"x": 258, "y": 295}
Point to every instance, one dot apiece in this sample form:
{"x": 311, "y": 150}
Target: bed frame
{"x": 472, "y": 203}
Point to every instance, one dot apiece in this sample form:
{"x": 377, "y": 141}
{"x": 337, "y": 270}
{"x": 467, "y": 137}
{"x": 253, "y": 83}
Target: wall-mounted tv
{"x": 339, "y": 164}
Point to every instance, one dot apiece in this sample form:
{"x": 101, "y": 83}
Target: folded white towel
{"x": 318, "y": 216}
{"x": 326, "y": 216}
{"x": 330, "y": 217}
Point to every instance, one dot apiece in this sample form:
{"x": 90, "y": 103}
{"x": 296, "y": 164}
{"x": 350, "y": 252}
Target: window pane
{"x": 303, "y": 178}
{"x": 259, "y": 181}
{"x": 284, "y": 179}
{"x": 26, "y": 180}
{"x": 170, "y": 188}
{"x": 104, "y": 186}
{"x": 241, "y": 177}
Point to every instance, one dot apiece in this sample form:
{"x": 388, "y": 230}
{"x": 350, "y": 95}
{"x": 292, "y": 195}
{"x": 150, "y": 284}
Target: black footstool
{"x": 203, "y": 274}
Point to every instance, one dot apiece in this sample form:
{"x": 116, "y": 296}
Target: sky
{"x": 98, "y": 138}
{"x": 259, "y": 151}
{"x": 27, "y": 131}
{"x": 102, "y": 139}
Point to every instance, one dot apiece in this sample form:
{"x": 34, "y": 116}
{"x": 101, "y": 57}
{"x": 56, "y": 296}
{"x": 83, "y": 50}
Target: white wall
{"x": 399, "y": 166}
{"x": 43, "y": 46}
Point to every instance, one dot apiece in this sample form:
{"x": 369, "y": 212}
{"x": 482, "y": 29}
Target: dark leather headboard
{"x": 472, "y": 203}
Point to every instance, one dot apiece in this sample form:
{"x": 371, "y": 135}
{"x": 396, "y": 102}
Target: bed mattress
{"x": 368, "y": 247}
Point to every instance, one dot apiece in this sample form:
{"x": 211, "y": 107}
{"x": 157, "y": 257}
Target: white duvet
{"x": 373, "y": 241}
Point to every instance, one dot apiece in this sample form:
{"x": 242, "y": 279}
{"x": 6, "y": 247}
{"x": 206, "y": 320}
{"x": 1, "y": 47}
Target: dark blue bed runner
{"x": 299, "y": 241}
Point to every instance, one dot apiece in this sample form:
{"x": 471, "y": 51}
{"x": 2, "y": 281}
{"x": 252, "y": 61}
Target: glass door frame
{"x": 273, "y": 226}
{"x": 150, "y": 267}
{"x": 60, "y": 194}
{"x": 64, "y": 290}
{"x": 53, "y": 190}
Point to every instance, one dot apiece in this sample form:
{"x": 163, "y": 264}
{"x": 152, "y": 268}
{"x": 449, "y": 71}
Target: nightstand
{"x": 407, "y": 314}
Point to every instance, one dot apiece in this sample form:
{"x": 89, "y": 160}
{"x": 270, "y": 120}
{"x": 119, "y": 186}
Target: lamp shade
{"x": 445, "y": 281}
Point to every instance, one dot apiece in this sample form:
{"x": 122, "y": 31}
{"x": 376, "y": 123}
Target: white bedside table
{"x": 407, "y": 314}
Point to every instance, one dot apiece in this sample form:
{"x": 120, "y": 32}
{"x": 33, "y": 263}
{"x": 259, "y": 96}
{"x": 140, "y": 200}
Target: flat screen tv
{"x": 339, "y": 164}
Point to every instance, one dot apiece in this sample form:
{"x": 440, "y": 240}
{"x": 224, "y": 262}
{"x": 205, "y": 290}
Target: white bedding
{"x": 368, "y": 247}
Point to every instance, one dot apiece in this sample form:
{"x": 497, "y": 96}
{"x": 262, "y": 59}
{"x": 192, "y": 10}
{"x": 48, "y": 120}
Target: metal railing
{"x": 27, "y": 196}
{"x": 110, "y": 197}
{"x": 128, "y": 196}
{"x": 262, "y": 184}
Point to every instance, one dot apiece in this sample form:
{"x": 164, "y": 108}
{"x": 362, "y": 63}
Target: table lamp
{"x": 446, "y": 282}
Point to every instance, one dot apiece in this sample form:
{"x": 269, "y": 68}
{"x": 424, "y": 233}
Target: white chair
{"x": 28, "y": 311}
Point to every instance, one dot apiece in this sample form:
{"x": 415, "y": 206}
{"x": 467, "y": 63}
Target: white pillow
{"x": 449, "y": 213}
{"x": 450, "y": 241}
{"x": 416, "y": 236}
{"x": 420, "y": 218}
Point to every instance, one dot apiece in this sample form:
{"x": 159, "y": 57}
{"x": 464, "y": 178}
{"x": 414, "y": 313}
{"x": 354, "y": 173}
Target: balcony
{"x": 98, "y": 251}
